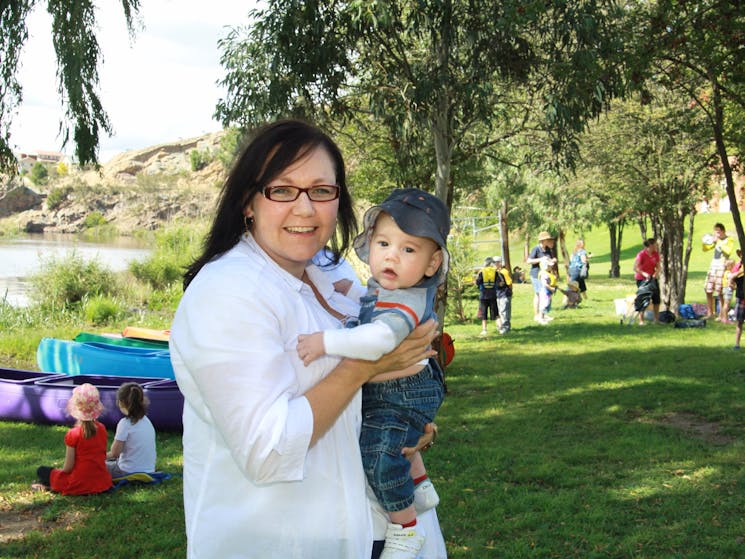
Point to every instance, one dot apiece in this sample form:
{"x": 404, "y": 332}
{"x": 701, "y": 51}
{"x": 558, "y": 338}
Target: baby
{"x": 404, "y": 243}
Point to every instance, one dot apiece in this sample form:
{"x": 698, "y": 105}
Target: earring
{"x": 248, "y": 222}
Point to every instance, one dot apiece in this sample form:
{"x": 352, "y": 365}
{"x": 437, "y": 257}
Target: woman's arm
{"x": 69, "y": 459}
{"x": 331, "y": 395}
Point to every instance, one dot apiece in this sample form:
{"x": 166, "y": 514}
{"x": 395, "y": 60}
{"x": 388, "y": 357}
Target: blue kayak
{"x": 95, "y": 358}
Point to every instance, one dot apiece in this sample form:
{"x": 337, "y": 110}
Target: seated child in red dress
{"x": 84, "y": 471}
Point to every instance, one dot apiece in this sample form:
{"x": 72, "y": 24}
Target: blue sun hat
{"x": 417, "y": 213}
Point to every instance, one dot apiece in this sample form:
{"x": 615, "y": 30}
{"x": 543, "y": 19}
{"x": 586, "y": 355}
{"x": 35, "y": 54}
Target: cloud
{"x": 158, "y": 88}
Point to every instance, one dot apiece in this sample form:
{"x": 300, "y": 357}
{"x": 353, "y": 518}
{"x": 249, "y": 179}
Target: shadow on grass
{"x": 583, "y": 454}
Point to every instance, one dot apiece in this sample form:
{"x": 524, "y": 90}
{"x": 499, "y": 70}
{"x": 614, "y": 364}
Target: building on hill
{"x": 27, "y": 159}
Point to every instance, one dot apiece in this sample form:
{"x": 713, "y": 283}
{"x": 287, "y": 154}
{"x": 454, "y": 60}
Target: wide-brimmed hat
{"x": 545, "y": 236}
{"x": 417, "y": 213}
{"x": 85, "y": 403}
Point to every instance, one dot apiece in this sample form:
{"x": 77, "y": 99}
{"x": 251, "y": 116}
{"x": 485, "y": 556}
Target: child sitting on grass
{"x": 133, "y": 449}
{"x": 84, "y": 471}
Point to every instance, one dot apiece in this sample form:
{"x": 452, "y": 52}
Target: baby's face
{"x": 398, "y": 260}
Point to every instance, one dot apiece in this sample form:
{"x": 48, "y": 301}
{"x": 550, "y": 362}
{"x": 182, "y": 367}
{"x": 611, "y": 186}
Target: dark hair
{"x": 273, "y": 148}
{"x": 650, "y": 241}
{"x": 719, "y": 226}
{"x": 132, "y": 397}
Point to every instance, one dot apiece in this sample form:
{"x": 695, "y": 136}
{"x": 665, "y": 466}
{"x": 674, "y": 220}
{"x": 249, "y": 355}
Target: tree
{"x": 77, "y": 51}
{"x": 430, "y": 74}
{"x": 658, "y": 158}
{"x": 699, "y": 48}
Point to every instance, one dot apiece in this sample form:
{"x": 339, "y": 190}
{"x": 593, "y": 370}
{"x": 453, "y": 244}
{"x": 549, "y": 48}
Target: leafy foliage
{"x": 39, "y": 173}
{"x": 77, "y": 51}
{"x": 433, "y": 82}
{"x": 66, "y": 281}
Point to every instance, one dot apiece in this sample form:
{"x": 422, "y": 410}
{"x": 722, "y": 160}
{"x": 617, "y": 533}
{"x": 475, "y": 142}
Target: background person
{"x": 272, "y": 462}
{"x": 723, "y": 247}
{"x": 647, "y": 269}
{"x": 504, "y": 296}
{"x": 486, "y": 281}
{"x": 133, "y": 449}
{"x": 579, "y": 266}
{"x": 84, "y": 471}
{"x": 544, "y": 249}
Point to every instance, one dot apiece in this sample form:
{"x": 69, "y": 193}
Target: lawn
{"x": 584, "y": 438}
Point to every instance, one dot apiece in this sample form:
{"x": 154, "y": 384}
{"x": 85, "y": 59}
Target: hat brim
{"x": 411, "y": 227}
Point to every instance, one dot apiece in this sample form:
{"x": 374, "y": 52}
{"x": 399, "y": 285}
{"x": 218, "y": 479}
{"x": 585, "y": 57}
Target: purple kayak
{"x": 38, "y": 397}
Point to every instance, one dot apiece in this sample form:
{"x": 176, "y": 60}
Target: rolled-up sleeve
{"x": 231, "y": 347}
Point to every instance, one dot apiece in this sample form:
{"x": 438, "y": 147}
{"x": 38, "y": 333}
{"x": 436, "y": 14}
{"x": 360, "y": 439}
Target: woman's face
{"x": 292, "y": 232}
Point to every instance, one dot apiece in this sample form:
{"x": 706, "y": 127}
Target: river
{"x": 21, "y": 257}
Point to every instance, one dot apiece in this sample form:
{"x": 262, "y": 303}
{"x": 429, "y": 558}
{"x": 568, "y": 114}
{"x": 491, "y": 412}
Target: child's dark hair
{"x": 132, "y": 397}
{"x": 649, "y": 242}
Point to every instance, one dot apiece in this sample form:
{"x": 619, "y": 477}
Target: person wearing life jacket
{"x": 487, "y": 284}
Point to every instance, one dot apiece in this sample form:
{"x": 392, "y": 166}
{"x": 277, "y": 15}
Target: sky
{"x": 158, "y": 88}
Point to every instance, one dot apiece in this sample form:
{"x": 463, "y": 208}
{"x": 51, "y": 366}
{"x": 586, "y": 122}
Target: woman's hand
{"x": 416, "y": 347}
{"x": 425, "y": 441}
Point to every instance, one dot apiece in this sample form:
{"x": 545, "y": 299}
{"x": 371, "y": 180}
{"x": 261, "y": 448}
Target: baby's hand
{"x": 310, "y": 347}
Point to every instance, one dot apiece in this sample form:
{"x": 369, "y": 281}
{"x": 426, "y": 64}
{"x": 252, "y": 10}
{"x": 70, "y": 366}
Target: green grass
{"x": 581, "y": 439}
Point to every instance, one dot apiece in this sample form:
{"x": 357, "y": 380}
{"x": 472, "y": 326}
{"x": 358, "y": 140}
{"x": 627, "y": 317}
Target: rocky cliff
{"x": 136, "y": 190}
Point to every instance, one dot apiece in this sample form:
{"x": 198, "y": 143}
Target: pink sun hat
{"x": 85, "y": 403}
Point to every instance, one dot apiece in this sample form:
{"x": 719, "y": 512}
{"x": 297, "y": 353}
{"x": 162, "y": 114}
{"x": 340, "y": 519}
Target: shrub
{"x": 94, "y": 219}
{"x": 57, "y": 196}
{"x": 39, "y": 173}
{"x": 158, "y": 271}
{"x": 199, "y": 159}
{"x": 64, "y": 282}
{"x": 101, "y": 310}
{"x": 176, "y": 247}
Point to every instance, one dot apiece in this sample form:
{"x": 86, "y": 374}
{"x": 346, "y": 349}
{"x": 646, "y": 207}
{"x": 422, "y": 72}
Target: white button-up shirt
{"x": 252, "y": 485}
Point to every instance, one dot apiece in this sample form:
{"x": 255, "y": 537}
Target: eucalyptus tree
{"x": 699, "y": 48}
{"x": 438, "y": 77}
{"x": 658, "y": 158}
{"x": 77, "y": 52}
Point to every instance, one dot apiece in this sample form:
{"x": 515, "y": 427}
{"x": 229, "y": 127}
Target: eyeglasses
{"x": 287, "y": 193}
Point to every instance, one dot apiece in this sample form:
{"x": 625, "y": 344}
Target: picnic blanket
{"x": 147, "y": 478}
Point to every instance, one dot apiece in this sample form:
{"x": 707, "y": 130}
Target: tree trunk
{"x": 615, "y": 228}
{"x": 726, "y": 167}
{"x": 562, "y": 242}
{"x": 669, "y": 229}
{"x": 505, "y": 233}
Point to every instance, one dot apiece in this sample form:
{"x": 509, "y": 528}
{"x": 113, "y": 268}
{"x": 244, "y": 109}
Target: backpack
{"x": 447, "y": 349}
{"x": 686, "y": 311}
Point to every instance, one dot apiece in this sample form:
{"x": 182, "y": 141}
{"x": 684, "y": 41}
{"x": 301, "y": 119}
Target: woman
{"x": 272, "y": 465}
{"x": 646, "y": 270}
{"x": 543, "y": 250}
{"x": 578, "y": 266}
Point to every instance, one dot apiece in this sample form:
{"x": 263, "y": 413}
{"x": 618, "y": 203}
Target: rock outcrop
{"x": 136, "y": 190}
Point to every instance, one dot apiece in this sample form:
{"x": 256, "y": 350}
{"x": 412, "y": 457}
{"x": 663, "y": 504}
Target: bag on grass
{"x": 686, "y": 311}
{"x": 667, "y": 317}
{"x": 644, "y": 294}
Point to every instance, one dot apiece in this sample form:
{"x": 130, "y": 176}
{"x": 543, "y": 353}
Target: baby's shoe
{"x": 402, "y": 543}
{"x": 425, "y": 496}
